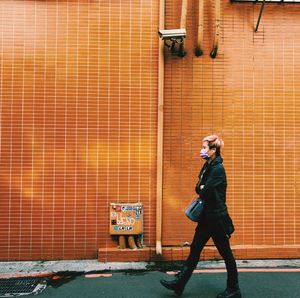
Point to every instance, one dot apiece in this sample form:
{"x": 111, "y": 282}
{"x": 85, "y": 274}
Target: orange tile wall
{"x": 79, "y": 125}
{"x": 250, "y": 96}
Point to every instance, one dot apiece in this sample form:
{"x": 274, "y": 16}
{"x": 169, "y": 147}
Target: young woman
{"x": 215, "y": 223}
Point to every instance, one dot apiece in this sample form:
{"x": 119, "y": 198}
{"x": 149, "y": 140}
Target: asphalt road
{"x": 146, "y": 285}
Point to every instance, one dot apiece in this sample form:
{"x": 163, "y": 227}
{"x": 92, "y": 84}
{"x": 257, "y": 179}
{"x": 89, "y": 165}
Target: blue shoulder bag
{"x": 194, "y": 210}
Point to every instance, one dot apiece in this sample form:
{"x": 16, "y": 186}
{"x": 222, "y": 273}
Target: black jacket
{"x": 213, "y": 177}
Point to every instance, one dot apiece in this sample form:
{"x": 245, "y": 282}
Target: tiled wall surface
{"x": 250, "y": 96}
{"x": 79, "y": 122}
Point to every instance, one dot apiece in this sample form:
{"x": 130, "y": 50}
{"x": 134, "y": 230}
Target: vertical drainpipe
{"x": 160, "y": 127}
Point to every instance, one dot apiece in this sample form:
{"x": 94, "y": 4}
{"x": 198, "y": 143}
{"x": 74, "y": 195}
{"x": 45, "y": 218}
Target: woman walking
{"x": 215, "y": 223}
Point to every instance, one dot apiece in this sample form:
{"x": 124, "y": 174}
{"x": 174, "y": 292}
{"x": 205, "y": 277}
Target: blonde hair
{"x": 214, "y": 141}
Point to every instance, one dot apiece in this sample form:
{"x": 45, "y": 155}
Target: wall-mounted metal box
{"x": 126, "y": 218}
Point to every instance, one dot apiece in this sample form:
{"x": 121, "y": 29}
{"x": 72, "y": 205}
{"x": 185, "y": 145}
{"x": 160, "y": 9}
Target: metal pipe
{"x": 198, "y": 50}
{"x": 260, "y": 14}
{"x": 160, "y": 126}
{"x": 183, "y": 14}
{"x": 182, "y": 52}
{"x": 214, "y": 51}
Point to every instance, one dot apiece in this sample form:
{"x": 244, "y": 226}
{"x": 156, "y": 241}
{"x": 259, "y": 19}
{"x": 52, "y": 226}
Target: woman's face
{"x": 209, "y": 152}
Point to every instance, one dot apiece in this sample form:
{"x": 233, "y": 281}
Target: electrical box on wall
{"x": 126, "y": 218}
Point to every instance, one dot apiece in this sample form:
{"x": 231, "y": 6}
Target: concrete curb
{"x": 46, "y": 268}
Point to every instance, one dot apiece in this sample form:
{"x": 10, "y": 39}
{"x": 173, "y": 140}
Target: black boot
{"x": 231, "y": 293}
{"x": 177, "y": 285}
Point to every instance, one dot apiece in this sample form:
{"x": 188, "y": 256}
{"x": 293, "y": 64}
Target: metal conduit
{"x": 160, "y": 125}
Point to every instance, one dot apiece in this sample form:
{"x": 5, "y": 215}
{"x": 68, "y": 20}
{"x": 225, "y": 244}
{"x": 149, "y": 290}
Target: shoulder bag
{"x": 194, "y": 210}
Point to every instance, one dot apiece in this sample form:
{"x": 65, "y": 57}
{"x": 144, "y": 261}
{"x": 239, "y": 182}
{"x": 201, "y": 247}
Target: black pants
{"x": 203, "y": 232}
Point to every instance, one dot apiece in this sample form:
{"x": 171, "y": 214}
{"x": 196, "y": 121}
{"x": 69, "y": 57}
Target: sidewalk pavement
{"x": 89, "y": 278}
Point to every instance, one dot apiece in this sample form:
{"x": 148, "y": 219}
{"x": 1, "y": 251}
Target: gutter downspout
{"x": 214, "y": 51}
{"x": 198, "y": 50}
{"x": 160, "y": 127}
